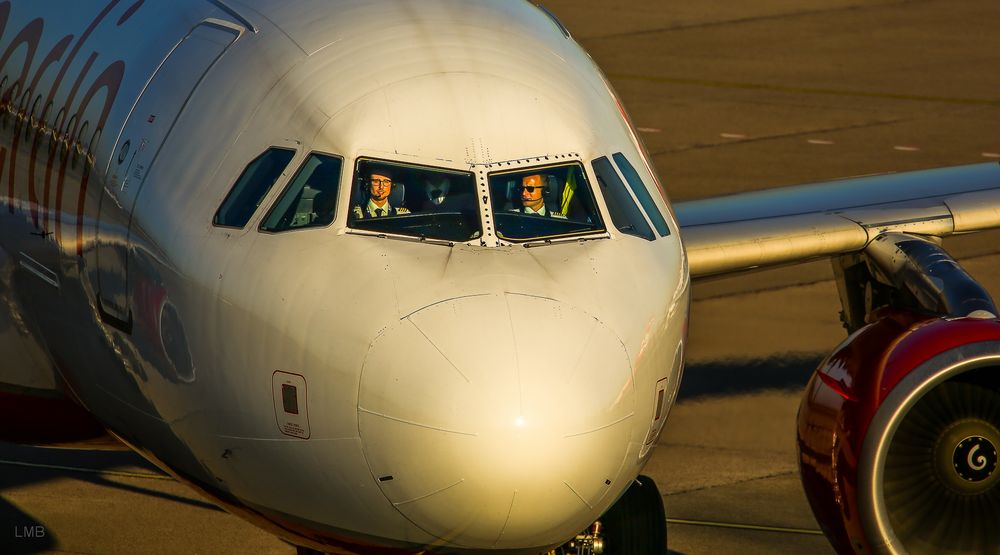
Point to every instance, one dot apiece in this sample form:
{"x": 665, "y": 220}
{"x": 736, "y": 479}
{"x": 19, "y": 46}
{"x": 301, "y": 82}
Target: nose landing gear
{"x": 635, "y": 525}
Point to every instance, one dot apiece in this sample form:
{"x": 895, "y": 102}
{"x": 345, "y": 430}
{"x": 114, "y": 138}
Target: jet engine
{"x": 899, "y": 428}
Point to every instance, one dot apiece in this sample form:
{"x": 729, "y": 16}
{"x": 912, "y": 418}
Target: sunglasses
{"x": 529, "y": 188}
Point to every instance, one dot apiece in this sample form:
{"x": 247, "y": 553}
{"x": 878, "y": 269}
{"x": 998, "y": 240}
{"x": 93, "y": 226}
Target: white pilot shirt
{"x": 371, "y": 210}
{"x": 541, "y": 212}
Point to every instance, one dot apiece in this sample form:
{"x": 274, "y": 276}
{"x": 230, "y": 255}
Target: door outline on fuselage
{"x": 162, "y": 101}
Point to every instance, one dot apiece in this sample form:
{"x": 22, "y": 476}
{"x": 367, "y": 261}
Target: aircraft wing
{"x": 793, "y": 224}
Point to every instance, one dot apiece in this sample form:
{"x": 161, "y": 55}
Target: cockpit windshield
{"x": 419, "y": 201}
{"x": 543, "y": 203}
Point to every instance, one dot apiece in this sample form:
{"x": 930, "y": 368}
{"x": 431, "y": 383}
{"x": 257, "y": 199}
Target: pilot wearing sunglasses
{"x": 532, "y": 190}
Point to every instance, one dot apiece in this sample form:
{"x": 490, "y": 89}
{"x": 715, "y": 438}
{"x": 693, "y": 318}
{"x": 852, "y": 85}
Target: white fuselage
{"x": 485, "y": 394}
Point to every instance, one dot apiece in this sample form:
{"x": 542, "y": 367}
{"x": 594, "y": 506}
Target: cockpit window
{"x": 310, "y": 200}
{"x": 419, "y": 201}
{"x": 543, "y": 202}
{"x": 251, "y": 187}
{"x": 624, "y": 212}
{"x": 642, "y": 193}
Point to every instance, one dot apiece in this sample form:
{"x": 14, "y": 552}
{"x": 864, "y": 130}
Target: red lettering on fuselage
{"x": 50, "y": 59}
{"x": 70, "y": 121}
{"x": 28, "y": 36}
{"x": 129, "y": 13}
{"x": 68, "y": 143}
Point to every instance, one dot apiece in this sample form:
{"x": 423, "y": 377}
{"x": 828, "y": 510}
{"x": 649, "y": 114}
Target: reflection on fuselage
{"x": 299, "y": 300}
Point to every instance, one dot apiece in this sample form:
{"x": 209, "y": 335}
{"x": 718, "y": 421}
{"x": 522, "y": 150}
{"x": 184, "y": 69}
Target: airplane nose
{"x": 497, "y": 421}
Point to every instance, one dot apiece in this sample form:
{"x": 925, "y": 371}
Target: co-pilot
{"x": 379, "y": 187}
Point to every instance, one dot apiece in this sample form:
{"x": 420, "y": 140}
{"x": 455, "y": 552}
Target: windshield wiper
{"x": 384, "y": 235}
{"x": 563, "y": 240}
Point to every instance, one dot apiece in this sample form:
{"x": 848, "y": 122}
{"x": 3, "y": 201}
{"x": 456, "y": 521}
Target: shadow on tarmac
{"x": 722, "y": 378}
{"x": 20, "y": 532}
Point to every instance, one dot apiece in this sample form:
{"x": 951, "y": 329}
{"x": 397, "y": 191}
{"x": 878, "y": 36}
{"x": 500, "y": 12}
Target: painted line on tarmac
{"x": 804, "y": 90}
{"x": 146, "y": 475}
{"x": 710, "y": 524}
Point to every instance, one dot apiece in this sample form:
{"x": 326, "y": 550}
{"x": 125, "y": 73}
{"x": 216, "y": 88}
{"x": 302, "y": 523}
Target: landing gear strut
{"x": 635, "y": 525}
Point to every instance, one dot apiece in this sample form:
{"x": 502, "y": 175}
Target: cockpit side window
{"x": 310, "y": 200}
{"x": 642, "y": 193}
{"x": 251, "y": 187}
{"x": 543, "y": 202}
{"x": 624, "y": 212}
{"x": 414, "y": 200}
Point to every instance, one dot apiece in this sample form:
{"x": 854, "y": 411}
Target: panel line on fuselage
{"x": 425, "y": 496}
{"x": 418, "y": 424}
{"x": 438, "y": 349}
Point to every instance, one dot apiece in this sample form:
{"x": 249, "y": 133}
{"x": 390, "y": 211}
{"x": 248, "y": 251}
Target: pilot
{"x": 379, "y": 188}
{"x": 533, "y": 188}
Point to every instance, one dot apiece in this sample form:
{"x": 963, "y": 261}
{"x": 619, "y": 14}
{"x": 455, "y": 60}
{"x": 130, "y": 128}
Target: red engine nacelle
{"x": 898, "y": 436}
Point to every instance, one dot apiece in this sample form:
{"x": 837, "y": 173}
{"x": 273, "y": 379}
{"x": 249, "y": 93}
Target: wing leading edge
{"x": 793, "y": 224}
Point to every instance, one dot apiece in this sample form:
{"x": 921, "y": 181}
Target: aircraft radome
{"x": 397, "y": 276}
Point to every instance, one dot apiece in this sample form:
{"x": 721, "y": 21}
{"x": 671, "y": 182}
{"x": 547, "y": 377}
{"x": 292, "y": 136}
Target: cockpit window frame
{"x": 287, "y": 189}
{"x": 624, "y": 209}
{"x": 600, "y": 229}
{"x": 641, "y": 193}
{"x": 404, "y": 166}
{"x": 235, "y": 188}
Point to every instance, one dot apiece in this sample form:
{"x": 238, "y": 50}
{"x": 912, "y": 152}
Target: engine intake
{"x": 899, "y": 428}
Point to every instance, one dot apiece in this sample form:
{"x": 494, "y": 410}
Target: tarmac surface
{"x": 729, "y": 96}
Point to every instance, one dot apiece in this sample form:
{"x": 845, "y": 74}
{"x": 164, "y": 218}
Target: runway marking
{"x": 732, "y": 135}
{"x": 991, "y": 155}
{"x": 710, "y": 524}
{"x": 820, "y": 142}
{"x": 714, "y": 23}
{"x": 902, "y": 148}
{"x": 779, "y": 136}
{"x": 146, "y": 475}
{"x": 804, "y": 90}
